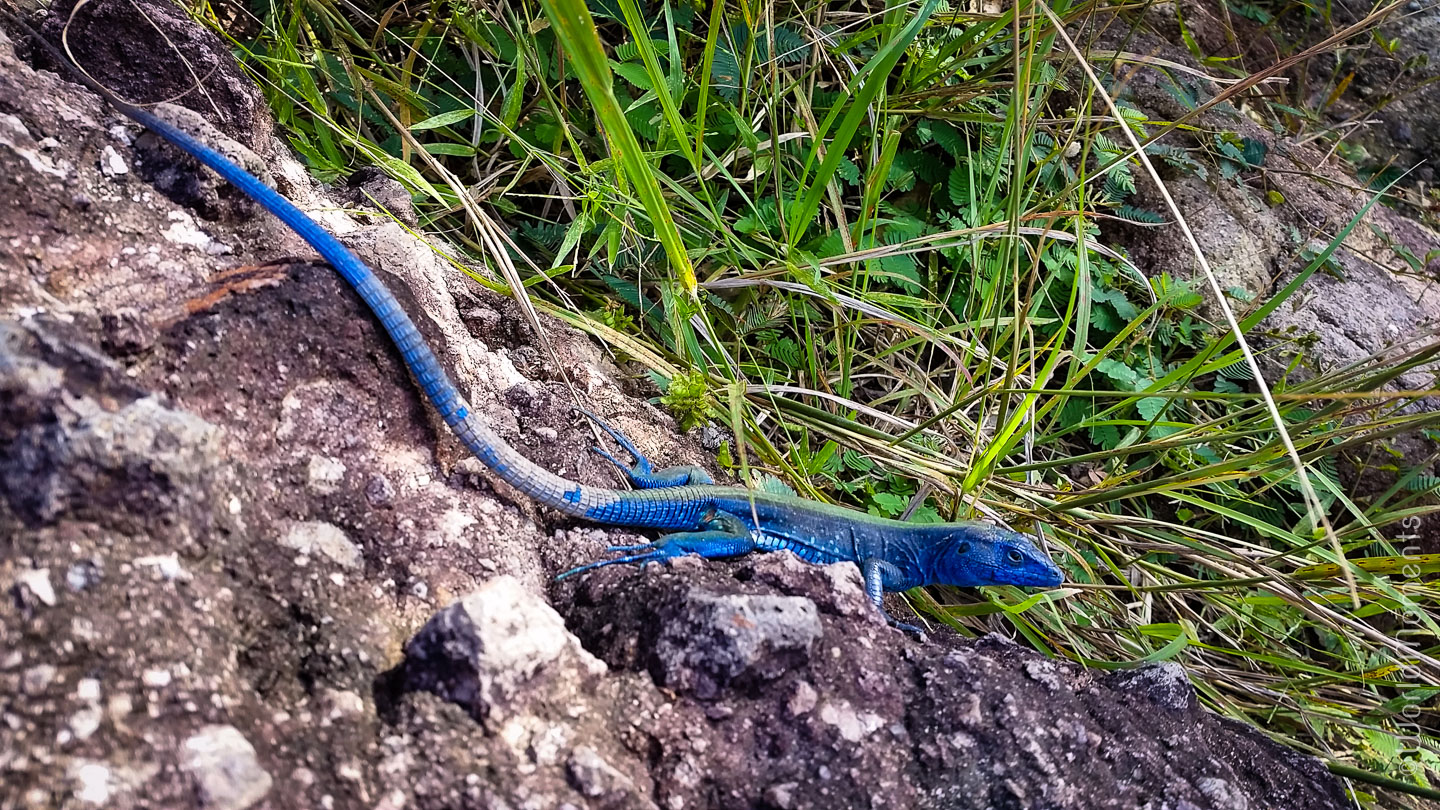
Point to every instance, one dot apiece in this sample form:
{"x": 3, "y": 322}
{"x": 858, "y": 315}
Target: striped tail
{"x": 516, "y": 470}
{"x": 513, "y": 468}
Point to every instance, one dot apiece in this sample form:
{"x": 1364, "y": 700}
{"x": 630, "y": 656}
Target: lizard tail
{"x": 516, "y": 470}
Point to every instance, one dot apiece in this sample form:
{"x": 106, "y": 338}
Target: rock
{"x": 837, "y": 588}
{"x": 1374, "y": 299}
{"x": 313, "y": 537}
{"x": 36, "y": 583}
{"x": 166, "y": 566}
{"x": 864, "y": 717}
{"x": 714, "y": 639}
{"x": 853, "y": 726}
{"x": 594, "y": 777}
{"x": 336, "y": 704}
{"x": 803, "y": 698}
{"x": 1243, "y": 240}
{"x": 1223, "y": 795}
{"x": 38, "y": 678}
{"x": 85, "y": 721}
{"x": 325, "y": 473}
{"x": 226, "y": 771}
{"x": 496, "y": 651}
{"x": 88, "y": 690}
{"x": 89, "y": 446}
{"x": 782, "y": 795}
{"x": 92, "y": 781}
{"x": 379, "y": 491}
{"x": 1045, "y": 673}
{"x": 112, "y": 164}
{"x": 102, "y": 783}
{"x": 82, "y": 575}
{"x": 17, "y": 138}
{"x": 372, "y": 188}
{"x": 1165, "y": 684}
{"x": 1404, "y": 132}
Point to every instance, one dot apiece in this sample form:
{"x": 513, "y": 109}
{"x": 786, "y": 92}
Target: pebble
{"x": 88, "y": 690}
{"x": 82, "y": 575}
{"x": 325, "y": 473}
{"x": 37, "y": 580}
{"x": 92, "y": 782}
{"x": 313, "y": 537}
{"x": 226, "y": 771}
{"x": 166, "y": 565}
{"x": 86, "y": 722}
{"x": 37, "y": 679}
{"x": 111, "y": 163}
{"x": 803, "y": 698}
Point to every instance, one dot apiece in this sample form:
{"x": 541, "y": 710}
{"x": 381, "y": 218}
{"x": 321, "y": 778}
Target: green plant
{"x": 904, "y": 299}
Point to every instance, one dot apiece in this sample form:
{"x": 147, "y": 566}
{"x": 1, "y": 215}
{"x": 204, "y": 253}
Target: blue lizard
{"x": 704, "y": 518}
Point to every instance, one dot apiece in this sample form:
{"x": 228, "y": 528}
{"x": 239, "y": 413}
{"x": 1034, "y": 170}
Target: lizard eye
{"x": 1014, "y": 555}
{"x": 963, "y": 548}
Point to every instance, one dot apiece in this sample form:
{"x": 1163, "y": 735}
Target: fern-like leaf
{"x": 1238, "y": 370}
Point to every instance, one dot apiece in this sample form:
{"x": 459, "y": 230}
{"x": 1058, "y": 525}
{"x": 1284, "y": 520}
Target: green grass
{"x": 867, "y": 239}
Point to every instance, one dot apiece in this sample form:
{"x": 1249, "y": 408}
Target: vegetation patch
{"x": 879, "y": 244}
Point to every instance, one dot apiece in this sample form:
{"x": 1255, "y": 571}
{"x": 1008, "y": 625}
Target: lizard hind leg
{"x": 641, "y": 474}
{"x": 709, "y": 544}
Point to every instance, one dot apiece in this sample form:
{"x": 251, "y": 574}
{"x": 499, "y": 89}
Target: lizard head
{"x": 972, "y": 554}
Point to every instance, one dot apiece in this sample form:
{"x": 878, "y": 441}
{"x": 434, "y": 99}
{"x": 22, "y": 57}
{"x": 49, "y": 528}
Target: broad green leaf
{"x": 444, "y": 119}
{"x": 456, "y": 149}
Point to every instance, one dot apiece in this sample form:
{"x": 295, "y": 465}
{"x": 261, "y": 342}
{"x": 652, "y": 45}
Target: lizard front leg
{"x": 880, "y": 576}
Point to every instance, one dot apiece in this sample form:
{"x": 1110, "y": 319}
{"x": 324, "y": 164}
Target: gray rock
{"x": 594, "y": 777}
{"x": 371, "y": 187}
{"x": 782, "y": 795}
{"x": 1405, "y": 130}
{"x": 85, "y": 721}
{"x": 718, "y": 638}
{"x": 497, "y": 651}
{"x": 802, "y": 700}
{"x": 1164, "y": 683}
{"x": 38, "y": 678}
{"x": 102, "y": 783}
{"x": 226, "y": 771}
{"x": 1241, "y": 237}
{"x": 313, "y": 537}
{"x": 324, "y": 473}
{"x": 1222, "y": 794}
{"x": 35, "y": 582}
{"x": 91, "y": 440}
{"x": 111, "y": 163}
{"x": 82, "y": 575}
{"x": 379, "y": 491}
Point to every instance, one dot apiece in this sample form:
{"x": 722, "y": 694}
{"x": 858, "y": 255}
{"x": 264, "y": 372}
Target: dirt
{"x": 243, "y": 567}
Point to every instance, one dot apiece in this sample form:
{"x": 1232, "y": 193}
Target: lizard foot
{"x": 636, "y": 547}
{"x": 641, "y": 474}
{"x": 708, "y": 544}
{"x": 906, "y": 628}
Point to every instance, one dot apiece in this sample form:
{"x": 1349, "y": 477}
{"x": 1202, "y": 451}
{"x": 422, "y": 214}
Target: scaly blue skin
{"x": 706, "y": 519}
